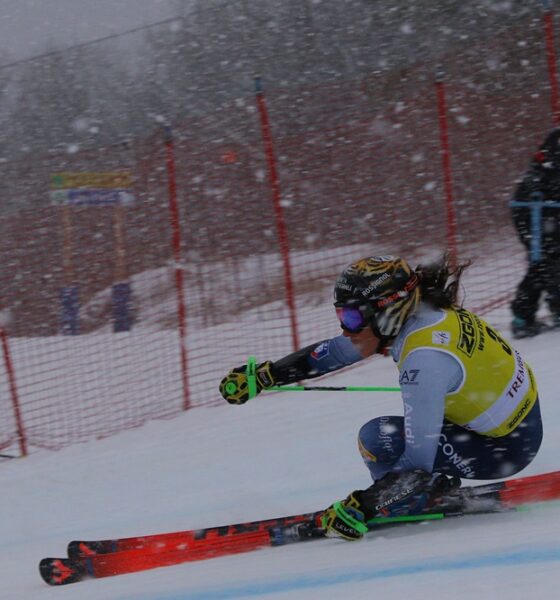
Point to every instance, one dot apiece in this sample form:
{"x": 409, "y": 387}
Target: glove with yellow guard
{"x": 243, "y": 383}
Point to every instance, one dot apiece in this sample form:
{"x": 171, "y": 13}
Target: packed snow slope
{"x": 279, "y": 454}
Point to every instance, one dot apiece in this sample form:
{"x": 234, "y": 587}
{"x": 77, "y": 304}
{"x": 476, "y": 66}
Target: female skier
{"x": 471, "y": 408}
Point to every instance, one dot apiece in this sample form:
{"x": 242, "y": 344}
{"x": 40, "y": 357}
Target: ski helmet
{"x": 380, "y": 291}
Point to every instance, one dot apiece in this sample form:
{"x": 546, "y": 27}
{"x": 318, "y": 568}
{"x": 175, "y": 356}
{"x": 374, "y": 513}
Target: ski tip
{"x": 74, "y": 549}
{"x": 61, "y": 571}
{"x": 77, "y": 548}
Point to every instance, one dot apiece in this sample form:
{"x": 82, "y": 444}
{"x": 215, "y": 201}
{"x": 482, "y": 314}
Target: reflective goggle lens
{"x": 351, "y": 318}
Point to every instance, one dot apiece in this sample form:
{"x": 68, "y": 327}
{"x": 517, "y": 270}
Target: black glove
{"x": 234, "y": 387}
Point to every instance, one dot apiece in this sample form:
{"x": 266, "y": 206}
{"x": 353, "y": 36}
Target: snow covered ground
{"x": 280, "y": 454}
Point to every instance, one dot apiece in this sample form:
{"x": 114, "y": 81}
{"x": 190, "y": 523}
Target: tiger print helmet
{"x": 384, "y": 289}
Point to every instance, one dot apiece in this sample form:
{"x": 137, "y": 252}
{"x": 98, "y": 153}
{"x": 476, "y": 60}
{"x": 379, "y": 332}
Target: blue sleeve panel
{"x": 333, "y": 354}
{"x": 426, "y": 377}
{"x": 315, "y": 360}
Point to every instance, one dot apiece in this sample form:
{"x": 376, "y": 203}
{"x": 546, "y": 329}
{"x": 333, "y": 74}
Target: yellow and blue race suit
{"x": 470, "y": 401}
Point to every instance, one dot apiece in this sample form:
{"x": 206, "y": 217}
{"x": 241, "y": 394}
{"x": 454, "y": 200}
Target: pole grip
{"x": 252, "y": 376}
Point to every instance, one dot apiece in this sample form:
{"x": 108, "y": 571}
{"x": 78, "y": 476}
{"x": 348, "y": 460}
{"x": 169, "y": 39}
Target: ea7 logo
{"x": 409, "y": 376}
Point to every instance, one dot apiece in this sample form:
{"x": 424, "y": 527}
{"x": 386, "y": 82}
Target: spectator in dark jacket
{"x": 536, "y": 215}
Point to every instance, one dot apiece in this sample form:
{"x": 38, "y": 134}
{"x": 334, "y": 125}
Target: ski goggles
{"x": 354, "y": 318}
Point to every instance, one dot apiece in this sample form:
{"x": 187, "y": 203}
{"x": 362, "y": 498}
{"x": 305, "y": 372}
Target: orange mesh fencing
{"x": 356, "y": 177}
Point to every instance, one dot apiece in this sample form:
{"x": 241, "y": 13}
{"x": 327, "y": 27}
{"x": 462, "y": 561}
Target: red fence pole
{"x": 176, "y": 245}
{"x": 10, "y": 371}
{"x": 280, "y": 222}
{"x": 551, "y": 60}
{"x": 447, "y": 179}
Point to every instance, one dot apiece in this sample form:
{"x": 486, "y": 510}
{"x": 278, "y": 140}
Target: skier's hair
{"x": 439, "y": 282}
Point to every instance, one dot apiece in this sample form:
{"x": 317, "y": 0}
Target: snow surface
{"x": 280, "y": 454}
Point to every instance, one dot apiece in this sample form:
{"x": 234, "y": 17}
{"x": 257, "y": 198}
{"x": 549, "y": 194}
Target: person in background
{"x": 535, "y": 211}
{"x": 470, "y": 402}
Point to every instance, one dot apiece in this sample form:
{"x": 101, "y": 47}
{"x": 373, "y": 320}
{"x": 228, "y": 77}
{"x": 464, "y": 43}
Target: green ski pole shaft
{"x": 331, "y": 388}
{"x": 404, "y": 519}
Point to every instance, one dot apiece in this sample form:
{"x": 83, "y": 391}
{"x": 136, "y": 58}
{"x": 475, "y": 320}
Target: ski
{"x": 103, "y": 558}
{"x": 160, "y": 541}
{"x": 61, "y": 571}
{"x": 510, "y": 492}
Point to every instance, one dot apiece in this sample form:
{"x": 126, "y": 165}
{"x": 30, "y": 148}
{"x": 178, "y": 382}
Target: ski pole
{"x": 331, "y": 388}
{"x": 252, "y": 384}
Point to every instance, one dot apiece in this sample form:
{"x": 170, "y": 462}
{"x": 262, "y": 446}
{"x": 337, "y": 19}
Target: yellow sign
{"x": 102, "y": 180}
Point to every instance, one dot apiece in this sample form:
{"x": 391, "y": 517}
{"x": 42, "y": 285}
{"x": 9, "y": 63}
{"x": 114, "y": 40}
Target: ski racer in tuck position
{"x": 471, "y": 408}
